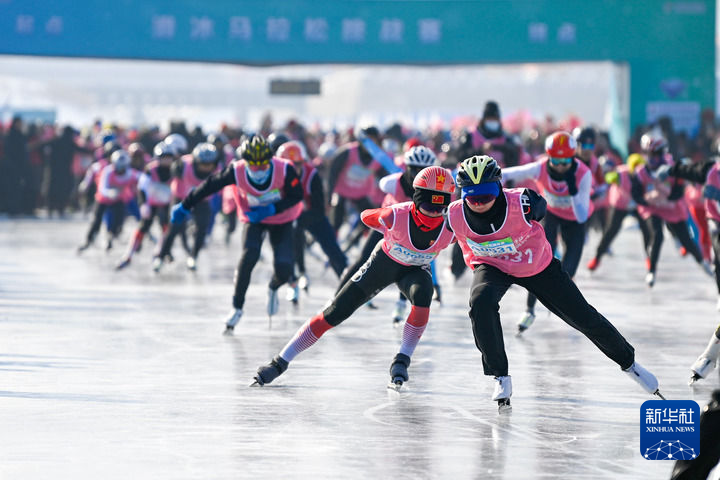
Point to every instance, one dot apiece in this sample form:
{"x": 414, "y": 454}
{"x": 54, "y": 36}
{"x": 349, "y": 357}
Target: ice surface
{"x": 118, "y": 375}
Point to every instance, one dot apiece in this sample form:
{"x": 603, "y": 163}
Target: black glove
{"x": 571, "y": 182}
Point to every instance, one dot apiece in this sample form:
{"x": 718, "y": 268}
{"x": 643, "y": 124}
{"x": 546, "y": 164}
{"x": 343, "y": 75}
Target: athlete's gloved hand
{"x": 711, "y": 192}
{"x": 145, "y": 211}
{"x": 662, "y": 172}
{"x": 571, "y": 182}
{"x": 179, "y": 213}
{"x": 258, "y": 214}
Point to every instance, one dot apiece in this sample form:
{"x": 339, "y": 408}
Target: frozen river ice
{"x": 119, "y": 375}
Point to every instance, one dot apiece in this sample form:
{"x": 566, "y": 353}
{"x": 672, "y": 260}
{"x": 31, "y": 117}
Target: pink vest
{"x": 478, "y": 140}
{"x": 159, "y": 192}
{"x": 396, "y": 194}
{"x": 672, "y": 211}
{"x": 518, "y": 248}
{"x": 228, "y": 199}
{"x": 711, "y": 206}
{"x": 109, "y": 177}
{"x": 356, "y": 180}
{"x": 559, "y": 201}
{"x": 398, "y": 245}
{"x": 247, "y": 196}
{"x": 180, "y": 187}
{"x": 619, "y": 195}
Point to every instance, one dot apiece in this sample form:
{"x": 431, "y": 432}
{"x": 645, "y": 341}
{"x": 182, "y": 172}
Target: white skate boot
{"x": 707, "y": 266}
{"x": 399, "y": 312}
{"x": 650, "y": 279}
{"x": 525, "y": 321}
{"x": 707, "y": 361}
{"x": 293, "y": 293}
{"x": 502, "y": 393}
{"x": 644, "y": 378}
{"x": 233, "y": 320}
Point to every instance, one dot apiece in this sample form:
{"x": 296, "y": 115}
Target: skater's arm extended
{"x": 379, "y": 219}
{"x": 337, "y": 164}
{"x": 214, "y": 183}
{"x": 581, "y": 200}
{"x": 695, "y": 172}
{"x": 522, "y": 172}
{"x": 293, "y": 190}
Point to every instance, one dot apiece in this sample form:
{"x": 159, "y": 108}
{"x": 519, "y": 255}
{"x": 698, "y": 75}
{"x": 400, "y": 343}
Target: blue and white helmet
{"x": 177, "y": 142}
{"x": 420, "y": 156}
{"x": 205, "y": 153}
{"x": 120, "y": 160}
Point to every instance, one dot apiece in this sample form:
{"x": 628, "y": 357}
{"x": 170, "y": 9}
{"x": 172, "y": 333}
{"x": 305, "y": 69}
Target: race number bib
{"x": 160, "y": 192}
{"x": 411, "y": 257}
{"x": 266, "y": 198}
{"x": 357, "y": 174}
{"x": 493, "y": 248}
{"x": 558, "y": 201}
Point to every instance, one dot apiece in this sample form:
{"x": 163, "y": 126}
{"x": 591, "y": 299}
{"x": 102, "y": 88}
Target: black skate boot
{"x": 268, "y": 373}
{"x": 398, "y": 371}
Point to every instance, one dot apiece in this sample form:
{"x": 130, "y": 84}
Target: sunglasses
{"x": 477, "y": 200}
{"x": 587, "y": 146}
{"x": 560, "y": 161}
{"x": 432, "y": 207}
{"x": 255, "y": 166}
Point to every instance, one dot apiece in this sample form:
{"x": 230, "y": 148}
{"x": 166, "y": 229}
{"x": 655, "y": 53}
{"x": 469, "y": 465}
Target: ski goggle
{"x": 432, "y": 207}
{"x": 477, "y": 200}
{"x": 258, "y": 166}
{"x": 560, "y": 161}
{"x": 587, "y": 146}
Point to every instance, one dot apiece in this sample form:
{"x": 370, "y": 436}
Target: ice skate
{"x": 123, "y": 263}
{"x": 398, "y": 371}
{"x": 371, "y": 305}
{"x": 273, "y": 304}
{"x": 707, "y": 267}
{"x": 157, "y": 264}
{"x": 191, "y": 264}
{"x": 644, "y": 378}
{"x": 268, "y": 373}
{"x": 233, "y": 320}
{"x": 304, "y": 282}
{"x": 502, "y": 393}
{"x": 399, "y": 312}
{"x": 293, "y": 293}
{"x": 109, "y": 245}
{"x": 650, "y": 279}
{"x": 83, "y": 247}
{"x": 525, "y": 321}
{"x": 707, "y": 361}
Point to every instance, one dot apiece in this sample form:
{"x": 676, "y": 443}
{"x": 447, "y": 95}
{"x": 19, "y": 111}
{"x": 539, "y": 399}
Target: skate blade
{"x": 256, "y": 383}
{"x": 657, "y": 392}
{"x": 395, "y": 385}
{"x": 694, "y": 379}
{"x": 228, "y": 332}
{"x": 504, "y": 405}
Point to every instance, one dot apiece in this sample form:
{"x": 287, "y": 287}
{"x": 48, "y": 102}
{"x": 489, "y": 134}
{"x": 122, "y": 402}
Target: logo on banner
{"x": 670, "y": 430}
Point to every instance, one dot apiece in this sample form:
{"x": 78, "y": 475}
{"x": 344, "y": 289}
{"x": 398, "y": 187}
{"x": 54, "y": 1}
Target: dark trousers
{"x": 201, "y": 217}
{"x": 715, "y": 237}
{"x": 324, "y": 234}
{"x": 117, "y": 211}
{"x": 373, "y": 276}
{"x": 679, "y": 230}
{"x": 573, "y": 236}
{"x": 612, "y": 228}
{"x": 281, "y": 240}
{"x": 161, "y": 212}
{"x": 337, "y": 212}
{"x": 554, "y": 288}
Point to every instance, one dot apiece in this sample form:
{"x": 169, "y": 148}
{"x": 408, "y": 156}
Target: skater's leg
{"x": 253, "y": 234}
{"x": 281, "y": 240}
{"x": 655, "y": 227}
{"x": 488, "y": 287}
{"x": 613, "y": 228}
{"x": 551, "y": 224}
{"x": 573, "y": 236}
{"x": 95, "y": 224}
{"x": 681, "y": 232}
{"x": 417, "y": 287}
{"x": 337, "y": 212}
{"x": 560, "y": 295}
{"x": 323, "y": 233}
{"x": 299, "y": 247}
{"x": 201, "y": 214}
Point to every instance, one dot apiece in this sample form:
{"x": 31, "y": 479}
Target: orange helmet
{"x": 437, "y": 179}
{"x": 293, "y": 151}
{"x": 560, "y": 145}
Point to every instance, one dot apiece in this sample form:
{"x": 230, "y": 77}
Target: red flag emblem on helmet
{"x": 437, "y": 199}
{"x": 440, "y": 180}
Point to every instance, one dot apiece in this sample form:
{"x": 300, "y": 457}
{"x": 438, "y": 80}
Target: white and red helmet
{"x": 560, "y": 145}
{"x": 293, "y": 151}
{"x": 437, "y": 179}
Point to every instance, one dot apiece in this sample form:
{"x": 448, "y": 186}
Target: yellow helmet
{"x": 634, "y": 161}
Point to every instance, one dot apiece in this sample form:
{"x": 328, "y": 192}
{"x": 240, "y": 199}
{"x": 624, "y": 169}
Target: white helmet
{"x": 162, "y": 149}
{"x": 120, "y": 159}
{"x": 420, "y": 156}
{"x": 177, "y": 142}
